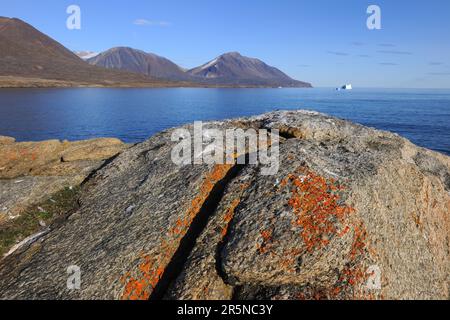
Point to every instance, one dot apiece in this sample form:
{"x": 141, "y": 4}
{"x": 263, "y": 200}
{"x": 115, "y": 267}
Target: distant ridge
{"x": 232, "y": 67}
{"x": 149, "y": 64}
{"x": 85, "y": 55}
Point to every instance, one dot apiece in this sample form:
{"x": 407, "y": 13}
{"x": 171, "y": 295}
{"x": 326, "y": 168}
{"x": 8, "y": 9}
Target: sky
{"x": 325, "y": 42}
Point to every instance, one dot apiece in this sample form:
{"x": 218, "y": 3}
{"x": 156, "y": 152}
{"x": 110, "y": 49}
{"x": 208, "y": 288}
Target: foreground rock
{"x": 32, "y": 171}
{"x": 352, "y": 213}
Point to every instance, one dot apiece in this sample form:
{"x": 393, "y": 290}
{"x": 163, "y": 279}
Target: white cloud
{"x": 145, "y": 22}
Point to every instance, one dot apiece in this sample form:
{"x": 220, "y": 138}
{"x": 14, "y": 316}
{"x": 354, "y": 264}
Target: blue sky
{"x": 325, "y": 42}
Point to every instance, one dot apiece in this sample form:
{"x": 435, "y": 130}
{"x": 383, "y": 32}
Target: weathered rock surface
{"x": 6, "y": 140}
{"x": 32, "y": 171}
{"x": 41, "y": 158}
{"x": 349, "y": 206}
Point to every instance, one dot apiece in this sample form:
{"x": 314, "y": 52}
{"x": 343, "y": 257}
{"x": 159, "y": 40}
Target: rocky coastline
{"x": 352, "y": 213}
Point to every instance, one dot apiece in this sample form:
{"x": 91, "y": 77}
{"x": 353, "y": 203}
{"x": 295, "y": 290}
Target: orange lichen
{"x": 354, "y": 273}
{"x": 318, "y": 213}
{"x": 229, "y": 215}
{"x": 359, "y": 244}
{"x": 183, "y": 223}
{"x": 417, "y": 220}
{"x": 266, "y": 241}
{"x": 289, "y": 259}
{"x": 315, "y": 201}
{"x": 23, "y": 154}
{"x": 344, "y": 231}
{"x": 137, "y": 289}
{"x": 151, "y": 269}
{"x": 206, "y": 291}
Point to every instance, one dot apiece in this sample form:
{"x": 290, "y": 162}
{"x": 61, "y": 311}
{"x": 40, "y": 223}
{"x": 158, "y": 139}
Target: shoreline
{"x": 11, "y": 82}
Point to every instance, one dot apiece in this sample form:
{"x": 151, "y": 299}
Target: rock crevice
{"x": 197, "y": 226}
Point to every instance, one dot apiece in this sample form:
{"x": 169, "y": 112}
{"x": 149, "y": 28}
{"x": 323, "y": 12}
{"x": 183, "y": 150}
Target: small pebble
{"x": 130, "y": 209}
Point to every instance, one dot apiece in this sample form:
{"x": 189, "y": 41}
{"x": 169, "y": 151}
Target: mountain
{"x": 230, "y": 69}
{"x": 26, "y": 53}
{"x": 138, "y": 61}
{"x": 85, "y": 55}
{"x": 236, "y": 69}
{"x": 30, "y": 58}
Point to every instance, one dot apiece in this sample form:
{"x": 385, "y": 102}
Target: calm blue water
{"x": 133, "y": 115}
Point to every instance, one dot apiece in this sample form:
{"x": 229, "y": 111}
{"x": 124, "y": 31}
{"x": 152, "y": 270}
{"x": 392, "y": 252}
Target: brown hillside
{"x": 28, "y": 53}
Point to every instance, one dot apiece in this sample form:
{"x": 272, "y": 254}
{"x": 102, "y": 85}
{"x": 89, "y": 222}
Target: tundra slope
{"x": 348, "y": 204}
{"x": 27, "y": 53}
